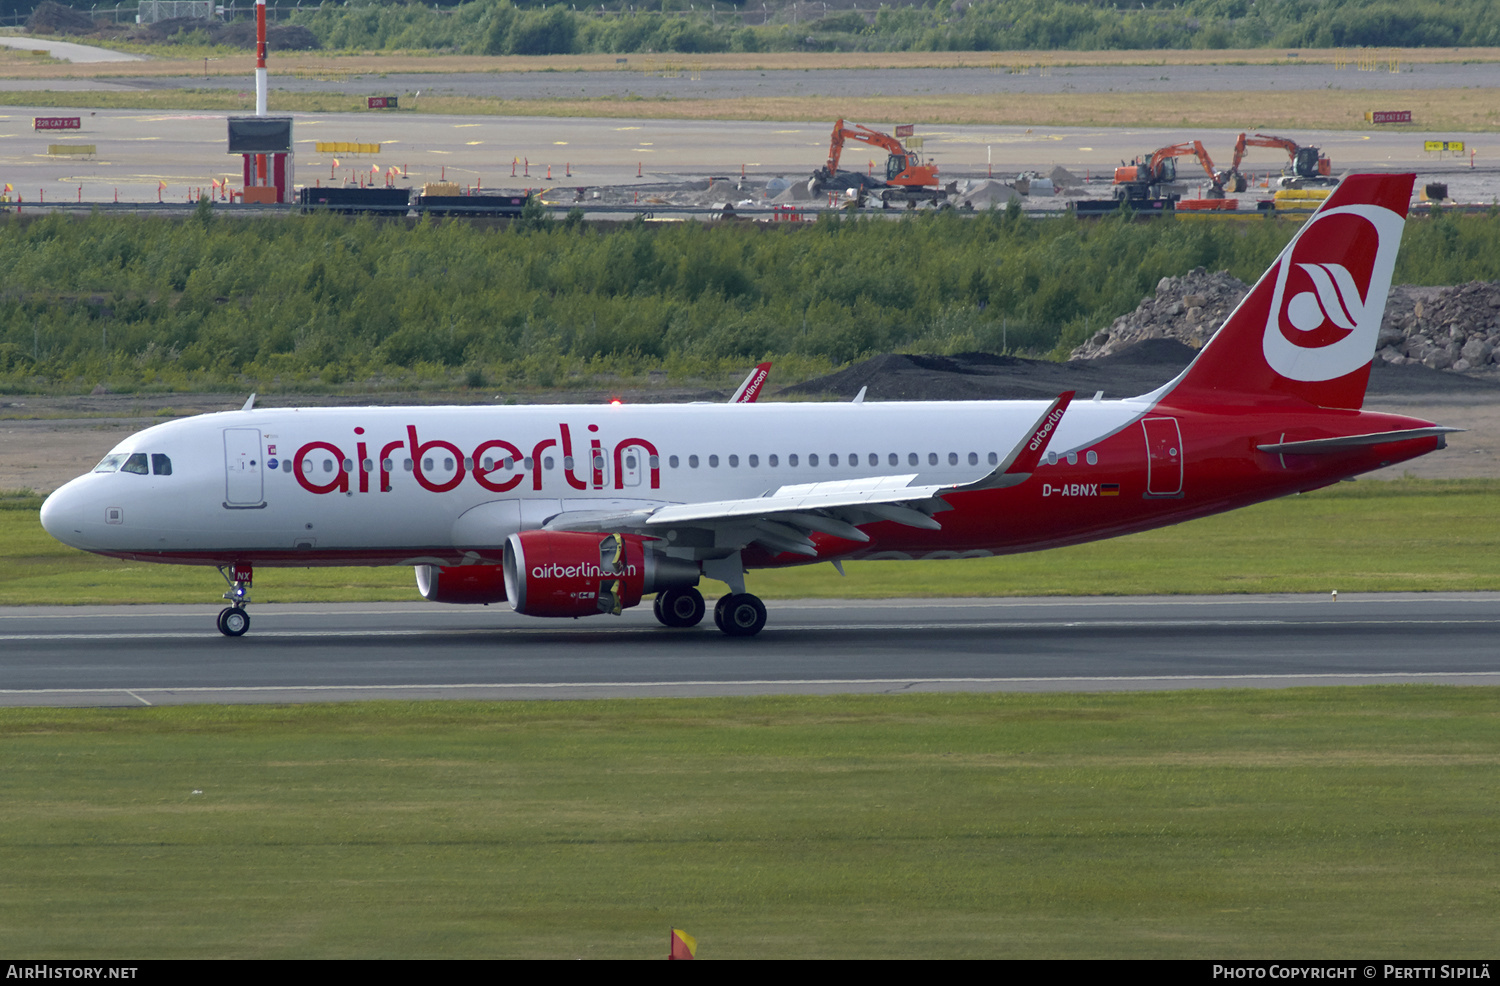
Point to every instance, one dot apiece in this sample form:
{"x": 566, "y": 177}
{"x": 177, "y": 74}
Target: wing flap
{"x": 852, "y": 493}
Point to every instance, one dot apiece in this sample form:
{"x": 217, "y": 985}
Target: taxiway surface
{"x": 141, "y": 156}
{"x": 150, "y": 655}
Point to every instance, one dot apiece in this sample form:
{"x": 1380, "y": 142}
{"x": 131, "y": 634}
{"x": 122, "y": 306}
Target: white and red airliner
{"x": 582, "y": 510}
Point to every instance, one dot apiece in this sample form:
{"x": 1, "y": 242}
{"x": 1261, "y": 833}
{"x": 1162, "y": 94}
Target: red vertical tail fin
{"x": 1306, "y": 332}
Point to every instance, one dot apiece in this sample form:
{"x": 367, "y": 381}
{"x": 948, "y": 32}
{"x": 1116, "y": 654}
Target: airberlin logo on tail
{"x": 1334, "y": 301}
{"x": 1045, "y": 431}
{"x": 1331, "y": 285}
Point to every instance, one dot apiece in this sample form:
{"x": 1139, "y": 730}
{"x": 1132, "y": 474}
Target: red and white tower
{"x": 260, "y": 62}
{"x": 264, "y": 142}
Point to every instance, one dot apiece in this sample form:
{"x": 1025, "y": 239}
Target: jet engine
{"x": 562, "y": 573}
{"x": 461, "y": 583}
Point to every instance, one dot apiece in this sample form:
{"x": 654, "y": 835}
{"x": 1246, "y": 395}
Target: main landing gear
{"x": 233, "y": 620}
{"x": 738, "y": 614}
{"x": 679, "y": 607}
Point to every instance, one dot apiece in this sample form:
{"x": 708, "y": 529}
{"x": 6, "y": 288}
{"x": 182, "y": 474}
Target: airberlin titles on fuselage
{"x": 495, "y": 463}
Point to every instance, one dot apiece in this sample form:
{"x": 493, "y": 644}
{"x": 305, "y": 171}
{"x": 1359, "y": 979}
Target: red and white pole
{"x": 261, "y": 168}
{"x": 260, "y": 57}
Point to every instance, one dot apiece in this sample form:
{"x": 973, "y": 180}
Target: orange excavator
{"x": 907, "y": 180}
{"x": 1306, "y": 165}
{"x": 1141, "y": 180}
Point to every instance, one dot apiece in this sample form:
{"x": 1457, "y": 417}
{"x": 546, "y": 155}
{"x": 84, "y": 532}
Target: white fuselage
{"x": 421, "y": 484}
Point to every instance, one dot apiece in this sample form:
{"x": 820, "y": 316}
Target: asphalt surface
{"x": 155, "y": 655}
{"x": 137, "y": 152}
{"x": 69, "y": 51}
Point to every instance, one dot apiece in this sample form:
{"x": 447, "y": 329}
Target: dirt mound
{"x": 988, "y": 376}
{"x": 240, "y": 34}
{"x": 1127, "y": 372}
{"x": 54, "y": 18}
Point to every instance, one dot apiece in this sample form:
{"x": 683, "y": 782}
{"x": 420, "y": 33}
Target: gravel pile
{"x": 1189, "y": 309}
{"x": 1453, "y": 328}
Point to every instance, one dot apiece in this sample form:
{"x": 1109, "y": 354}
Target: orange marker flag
{"x": 684, "y": 945}
{"x": 374, "y": 169}
{"x": 335, "y": 162}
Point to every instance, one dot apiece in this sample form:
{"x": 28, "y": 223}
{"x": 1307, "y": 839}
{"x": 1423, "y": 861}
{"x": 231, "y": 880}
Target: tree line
{"x": 531, "y": 27}
{"x": 309, "y": 301}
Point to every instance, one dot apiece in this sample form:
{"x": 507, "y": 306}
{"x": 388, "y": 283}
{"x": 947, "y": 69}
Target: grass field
{"x": 1295, "y": 824}
{"x": 185, "y": 60}
{"x": 1467, "y": 110}
{"x": 1354, "y": 537}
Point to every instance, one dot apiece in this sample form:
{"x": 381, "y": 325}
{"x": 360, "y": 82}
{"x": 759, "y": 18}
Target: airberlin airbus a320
{"x": 582, "y": 510}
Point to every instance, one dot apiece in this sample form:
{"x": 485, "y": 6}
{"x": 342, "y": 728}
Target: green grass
{"x": 1423, "y": 535}
{"x": 1301, "y": 823}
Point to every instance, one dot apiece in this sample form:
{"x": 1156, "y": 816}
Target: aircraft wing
{"x": 781, "y": 520}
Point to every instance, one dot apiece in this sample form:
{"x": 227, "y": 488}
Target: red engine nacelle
{"x": 461, "y": 583}
{"x": 562, "y": 573}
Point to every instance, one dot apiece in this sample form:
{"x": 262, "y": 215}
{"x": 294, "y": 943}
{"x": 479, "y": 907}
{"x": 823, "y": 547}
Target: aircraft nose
{"x": 62, "y": 514}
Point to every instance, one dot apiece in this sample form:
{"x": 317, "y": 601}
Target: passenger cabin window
{"x": 136, "y": 463}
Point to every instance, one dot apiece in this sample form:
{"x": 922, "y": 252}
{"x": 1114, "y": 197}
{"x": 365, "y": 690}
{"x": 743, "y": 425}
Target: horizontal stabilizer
{"x": 1319, "y": 446}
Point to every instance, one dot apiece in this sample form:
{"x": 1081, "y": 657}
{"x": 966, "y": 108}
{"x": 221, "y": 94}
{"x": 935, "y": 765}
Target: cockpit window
{"x": 110, "y": 463}
{"x": 136, "y": 464}
{"x": 161, "y": 465}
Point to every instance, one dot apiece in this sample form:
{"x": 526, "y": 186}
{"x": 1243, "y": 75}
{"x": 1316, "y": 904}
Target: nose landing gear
{"x": 233, "y": 620}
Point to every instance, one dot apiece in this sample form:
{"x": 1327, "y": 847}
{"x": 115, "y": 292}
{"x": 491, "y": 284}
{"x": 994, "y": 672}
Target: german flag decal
{"x": 1109, "y": 489}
